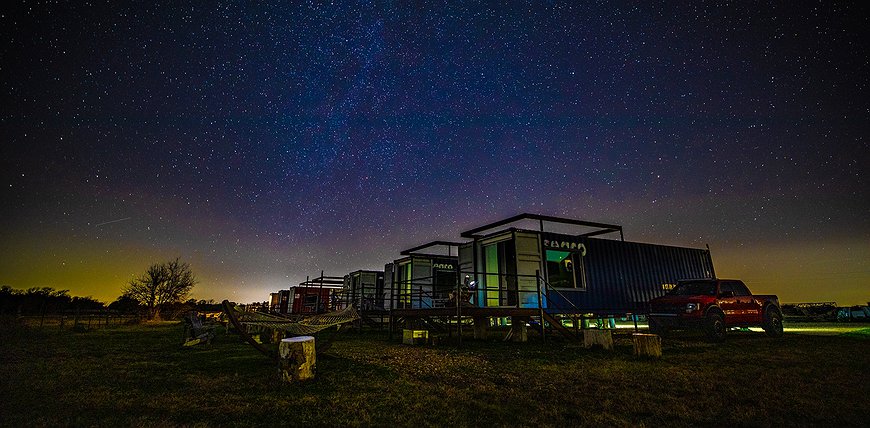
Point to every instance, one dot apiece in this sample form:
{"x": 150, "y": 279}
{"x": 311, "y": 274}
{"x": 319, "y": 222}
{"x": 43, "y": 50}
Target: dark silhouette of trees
{"x": 126, "y": 305}
{"x": 161, "y": 284}
{"x": 42, "y": 300}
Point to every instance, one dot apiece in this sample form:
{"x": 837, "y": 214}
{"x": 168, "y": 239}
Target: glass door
{"x": 500, "y": 269}
{"x": 403, "y": 279}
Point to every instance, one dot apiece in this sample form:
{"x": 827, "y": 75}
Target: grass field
{"x": 141, "y": 376}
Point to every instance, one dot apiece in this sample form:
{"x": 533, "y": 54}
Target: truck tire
{"x": 714, "y": 326}
{"x": 656, "y": 327}
{"x": 772, "y": 322}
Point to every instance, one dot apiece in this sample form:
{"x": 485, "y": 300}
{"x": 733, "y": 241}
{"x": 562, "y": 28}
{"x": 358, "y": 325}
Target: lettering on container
{"x": 565, "y": 245}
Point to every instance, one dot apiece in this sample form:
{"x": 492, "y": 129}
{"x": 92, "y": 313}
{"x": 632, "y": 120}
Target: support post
{"x": 390, "y": 326}
{"x": 540, "y": 303}
{"x": 319, "y": 294}
{"x": 481, "y": 327}
{"x": 457, "y": 297}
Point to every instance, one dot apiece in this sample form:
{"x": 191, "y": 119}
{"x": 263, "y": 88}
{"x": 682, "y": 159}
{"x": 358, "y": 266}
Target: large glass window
{"x": 491, "y": 268}
{"x": 354, "y": 289}
{"x": 560, "y": 269}
{"x": 404, "y": 284}
{"x": 565, "y": 269}
{"x": 500, "y": 266}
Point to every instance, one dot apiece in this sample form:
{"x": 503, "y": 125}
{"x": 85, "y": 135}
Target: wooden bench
{"x": 195, "y": 332}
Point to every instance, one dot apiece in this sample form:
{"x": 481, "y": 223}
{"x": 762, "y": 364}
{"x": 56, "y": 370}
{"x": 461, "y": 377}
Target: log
{"x": 647, "y": 345}
{"x": 598, "y": 338}
{"x": 298, "y": 358}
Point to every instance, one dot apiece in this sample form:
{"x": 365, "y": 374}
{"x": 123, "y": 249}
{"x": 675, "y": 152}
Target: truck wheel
{"x": 715, "y": 327}
{"x": 772, "y": 322}
{"x": 656, "y": 327}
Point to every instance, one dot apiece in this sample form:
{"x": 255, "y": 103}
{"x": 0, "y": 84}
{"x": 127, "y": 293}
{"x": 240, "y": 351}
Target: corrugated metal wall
{"x": 624, "y": 276}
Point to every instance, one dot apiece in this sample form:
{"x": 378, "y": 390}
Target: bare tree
{"x": 161, "y": 283}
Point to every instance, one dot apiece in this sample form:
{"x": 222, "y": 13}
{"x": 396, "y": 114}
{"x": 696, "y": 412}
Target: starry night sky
{"x": 263, "y": 143}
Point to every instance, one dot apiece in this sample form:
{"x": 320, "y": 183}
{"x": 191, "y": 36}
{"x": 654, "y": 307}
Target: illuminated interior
{"x": 404, "y": 280}
{"x": 560, "y": 269}
{"x": 500, "y": 273}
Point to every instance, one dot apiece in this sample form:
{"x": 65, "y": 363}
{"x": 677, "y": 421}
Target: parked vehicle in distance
{"x": 816, "y": 311}
{"x": 853, "y": 313}
{"x": 714, "y": 306}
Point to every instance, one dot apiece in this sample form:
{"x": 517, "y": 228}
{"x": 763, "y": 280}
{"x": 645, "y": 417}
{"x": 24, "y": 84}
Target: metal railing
{"x": 481, "y": 289}
{"x": 503, "y": 290}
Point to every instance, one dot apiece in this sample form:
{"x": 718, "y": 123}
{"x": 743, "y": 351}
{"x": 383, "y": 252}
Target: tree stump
{"x": 298, "y": 358}
{"x": 598, "y": 338}
{"x": 519, "y": 329}
{"x": 647, "y": 345}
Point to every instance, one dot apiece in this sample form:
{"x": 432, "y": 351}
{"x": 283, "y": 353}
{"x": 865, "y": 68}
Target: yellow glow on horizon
{"x": 797, "y": 272}
{"x": 801, "y": 272}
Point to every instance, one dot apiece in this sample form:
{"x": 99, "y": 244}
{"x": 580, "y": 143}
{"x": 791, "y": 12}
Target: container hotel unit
{"x": 364, "y": 290}
{"x": 424, "y": 278}
{"x": 575, "y": 272}
{"x": 527, "y": 267}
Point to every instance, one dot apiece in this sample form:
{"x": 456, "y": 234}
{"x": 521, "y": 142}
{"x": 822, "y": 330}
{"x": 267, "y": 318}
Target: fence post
{"x": 42, "y": 317}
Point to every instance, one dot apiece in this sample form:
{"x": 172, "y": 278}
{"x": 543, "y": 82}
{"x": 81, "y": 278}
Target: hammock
{"x": 302, "y": 327}
{"x": 243, "y": 321}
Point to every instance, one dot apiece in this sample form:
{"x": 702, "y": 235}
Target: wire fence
{"x": 73, "y": 320}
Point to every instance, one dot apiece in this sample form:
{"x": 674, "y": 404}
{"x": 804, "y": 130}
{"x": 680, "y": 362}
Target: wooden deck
{"x": 468, "y": 311}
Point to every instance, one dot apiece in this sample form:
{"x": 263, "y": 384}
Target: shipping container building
{"x": 279, "y": 302}
{"x": 364, "y": 290}
{"x": 314, "y": 296}
{"x": 423, "y": 278}
{"x": 575, "y": 272}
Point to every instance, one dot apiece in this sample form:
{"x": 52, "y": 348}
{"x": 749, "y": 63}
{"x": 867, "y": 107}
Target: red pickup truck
{"x": 714, "y": 305}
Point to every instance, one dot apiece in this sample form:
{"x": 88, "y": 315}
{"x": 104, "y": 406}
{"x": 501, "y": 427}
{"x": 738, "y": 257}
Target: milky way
{"x": 264, "y": 143}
